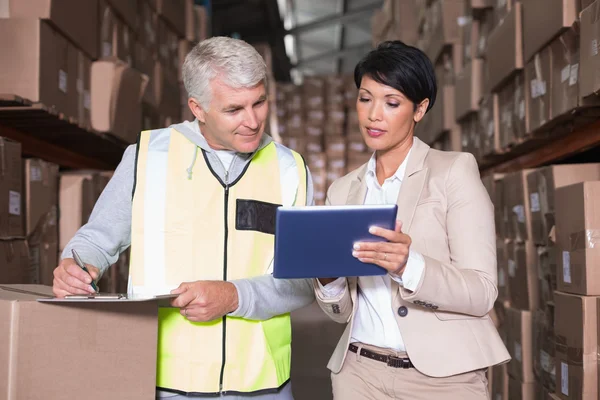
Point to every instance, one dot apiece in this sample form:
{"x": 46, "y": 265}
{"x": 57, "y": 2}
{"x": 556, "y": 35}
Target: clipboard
{"x": 164, "y": 300}
{"x": 317, "y": 242}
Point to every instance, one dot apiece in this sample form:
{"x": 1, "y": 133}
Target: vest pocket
{"x": 254, "y": 215}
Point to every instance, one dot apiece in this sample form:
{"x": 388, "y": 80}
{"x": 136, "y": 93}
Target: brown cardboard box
{"x": 523, "y": 275}
{"x": 14, "y": 256}
{"x": 146, "y": 64}
{"x": 173, "y": 12}
{"x": 479, "y": 4}
{"x": 576, "y": 347}
{"x": 544, "y": 364}
{"x": 586, "y": 3}
{"x": 117, "y": 91}
{"x": 445, "y": 29}
{"x": 521, "y": 391}
{"x": 294, "y": 124}
{"x": 598, "y": 328}
{"x": 577, "y": 222}
{"x": 77, "y": 19}
{"x": 168, "y": 47}
{"x": 298, "y": 144}
{"x": 468, "y": 91}
{"x": 486, "y": 24}
{"x": 500, "y": 382}
{"x": 317, "y": 163}
{"x": 41, "y": 216}
{"x": 148, "y": 25}
{"x": 589, "y": 73}
{"x": 127, "y": 10}
{"x": 547, "y": 267}
{"x": 202, "y": 21}
{"x": 470, "y": 39}
{"x": 38, "y": 66}
{"x": 507, "y": 42}
{"x": 501, "y": 10}
{"x": 494, "y": 187}
{"x": 516, "y": 204}
{"x": 513, "y": 112}
{"x": 489, "y": 125}
{"x": 11, "y": 190}
{"x": 167, "y": 89}
{"x": 73, "y": 335}
{"x": 503, "y": 278}
{"x": 116, "y": 38}
{"x": 83, "y": 87}
{"x": 538, "y": 73}
{"x": 564, "y": 87}
{"x": 540, "y": 27}
{"x": 542, "y": 185}
{"x": 519, "y": 337}
{"x": 191, "y": 22}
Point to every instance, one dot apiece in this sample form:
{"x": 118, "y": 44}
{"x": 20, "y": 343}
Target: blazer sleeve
{"x": 338, "y": 308}
{"x": 466, "y": 284}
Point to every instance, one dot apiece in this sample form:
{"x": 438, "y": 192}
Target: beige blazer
{"x": 447, "y": 212}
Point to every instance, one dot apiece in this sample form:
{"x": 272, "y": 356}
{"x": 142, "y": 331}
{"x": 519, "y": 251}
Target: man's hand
{"x": 70, "y": 279}
{"x": 204, "y": 301}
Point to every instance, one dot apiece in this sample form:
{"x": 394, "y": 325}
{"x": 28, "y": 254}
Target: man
{"x": 201, "y": 224}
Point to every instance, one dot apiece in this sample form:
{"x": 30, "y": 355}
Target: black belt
{"x": 391, "y": 361}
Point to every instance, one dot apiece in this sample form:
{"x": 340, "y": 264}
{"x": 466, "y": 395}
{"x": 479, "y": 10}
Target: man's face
{"x": 236, "y": 118}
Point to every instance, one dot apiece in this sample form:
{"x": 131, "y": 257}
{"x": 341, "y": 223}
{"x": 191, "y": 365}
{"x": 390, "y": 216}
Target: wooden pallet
{"x": 46, "y": 134}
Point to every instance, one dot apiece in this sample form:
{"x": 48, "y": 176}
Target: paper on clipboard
{"x": 164, "y": 300}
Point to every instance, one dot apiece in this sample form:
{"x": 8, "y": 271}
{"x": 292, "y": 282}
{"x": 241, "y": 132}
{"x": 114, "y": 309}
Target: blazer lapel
{"x": 412, "y": 184}
{"x": 358, "y": 189}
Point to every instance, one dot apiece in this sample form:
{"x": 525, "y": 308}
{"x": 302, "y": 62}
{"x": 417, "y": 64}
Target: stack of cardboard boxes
{"x": 318, "y": 119}
{"x": 544, "y": 220}
{"x": 94, "y": 69}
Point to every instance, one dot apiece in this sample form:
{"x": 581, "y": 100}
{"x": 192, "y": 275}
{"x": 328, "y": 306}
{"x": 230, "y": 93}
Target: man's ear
{"x": 197, "y": 109}
{"x": 421, "y": 110}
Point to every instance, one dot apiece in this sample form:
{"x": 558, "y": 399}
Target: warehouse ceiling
{"x": 307, "y": 37}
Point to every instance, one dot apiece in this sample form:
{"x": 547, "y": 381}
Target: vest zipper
{"x": 224, "y": 347}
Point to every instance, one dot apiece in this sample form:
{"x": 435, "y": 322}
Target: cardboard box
{"x": 203, "y": 23}
{"x": 544, "y": 363}
{"x": 539, "y": 28}
{"x": 11, "y": 190}
{"x": 73, "y": 335}
{"x": 500, "y": 382}
{"x": 523, "y": 275}
{"x": 489, "y": 125}
{"x": 564, "y": 87}
{"x": 486, "y": 25}
{"x": 507, "y": 42}
{"x": 516, "y": 204}
{"x": 168, "y": 95}
{"x": 538, "y": 78}
{"x": 116, "y": 38}
{"x": 589, "y": 73}
{"x": 82, "y": 30}
{"x": 38, "y": 68}
{"x": 469, "y": 84}
{"x": 480, "y": 4}
{"x": 14, "y": 256}
{"x": 168, "y": 47}
{"x": 576, "y": 347}
{"x": 78, "y": 192}
{"x": 547, "y": 267}
{"x": 444, "y": 28}
{"x": 542, "y": 185}
{"x": 521, "y": 391}
{"x": 173, "y": 12}
{"x": 586, "y": 3}
{"x": 577, "y": 221}
{"x": 519, "y": 337}
{"x": 503, "y": 278}
{"x": 191, "y": 22}
{"x": 501, "y": 10}
{"x": 513, "y": 112}
{"x": 82, "y": 105}
{"x": 41, "y": 217}
{"x": 146, "y": 64}
{"x": 470, "y": 39}
{"x": 117, "y": 91}
{"x": 148, "y": 31}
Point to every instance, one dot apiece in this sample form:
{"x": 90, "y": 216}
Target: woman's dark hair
{"x": 403, "y": 67}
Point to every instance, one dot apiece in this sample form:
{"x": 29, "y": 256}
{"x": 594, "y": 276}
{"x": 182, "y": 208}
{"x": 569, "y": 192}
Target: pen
{"x": 82, "y": 266}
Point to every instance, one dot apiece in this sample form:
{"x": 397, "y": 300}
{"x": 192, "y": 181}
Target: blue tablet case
{"x": 316, "y": 242}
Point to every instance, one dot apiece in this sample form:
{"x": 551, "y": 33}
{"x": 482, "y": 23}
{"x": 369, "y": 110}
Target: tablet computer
{"x": 317, "y": 242}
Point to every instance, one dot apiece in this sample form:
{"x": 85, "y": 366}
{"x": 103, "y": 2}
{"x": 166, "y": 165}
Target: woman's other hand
{"x": 391, "y": 255}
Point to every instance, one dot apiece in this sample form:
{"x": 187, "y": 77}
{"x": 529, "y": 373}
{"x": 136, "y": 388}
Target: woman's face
{"x": 386, "y": 117}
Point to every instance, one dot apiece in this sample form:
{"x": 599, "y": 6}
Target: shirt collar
{"x": 399, "y": 174}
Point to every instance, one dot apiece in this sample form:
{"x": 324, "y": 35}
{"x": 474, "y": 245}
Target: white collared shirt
{"x": 375, "y": 320}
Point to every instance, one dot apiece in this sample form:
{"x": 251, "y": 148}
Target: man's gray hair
{"x": 236, "y": 62}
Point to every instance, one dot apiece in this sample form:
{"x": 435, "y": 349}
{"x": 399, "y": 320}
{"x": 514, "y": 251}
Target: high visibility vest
{"x": 189, "y": 225}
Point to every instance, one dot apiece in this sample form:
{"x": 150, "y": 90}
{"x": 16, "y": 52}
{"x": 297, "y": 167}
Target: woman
{"x": 422, "y": 331}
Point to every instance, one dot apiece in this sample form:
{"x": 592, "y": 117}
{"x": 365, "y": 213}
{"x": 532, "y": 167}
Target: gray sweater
{"x": 108, "y": 233}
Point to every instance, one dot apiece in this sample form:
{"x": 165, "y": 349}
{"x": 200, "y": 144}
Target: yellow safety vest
{"x": 189, "y": 226}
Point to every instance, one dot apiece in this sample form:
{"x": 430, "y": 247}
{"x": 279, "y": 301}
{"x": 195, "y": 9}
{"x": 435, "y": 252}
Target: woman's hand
{"x": 391, "y": 255}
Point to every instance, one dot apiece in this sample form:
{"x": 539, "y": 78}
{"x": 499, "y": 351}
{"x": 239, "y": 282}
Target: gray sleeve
{"x": 108, "y": 231}
{"x": 264, "y": 297}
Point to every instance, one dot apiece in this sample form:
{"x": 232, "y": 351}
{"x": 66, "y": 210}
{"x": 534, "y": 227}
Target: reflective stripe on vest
{"x": 189, "y": 228}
